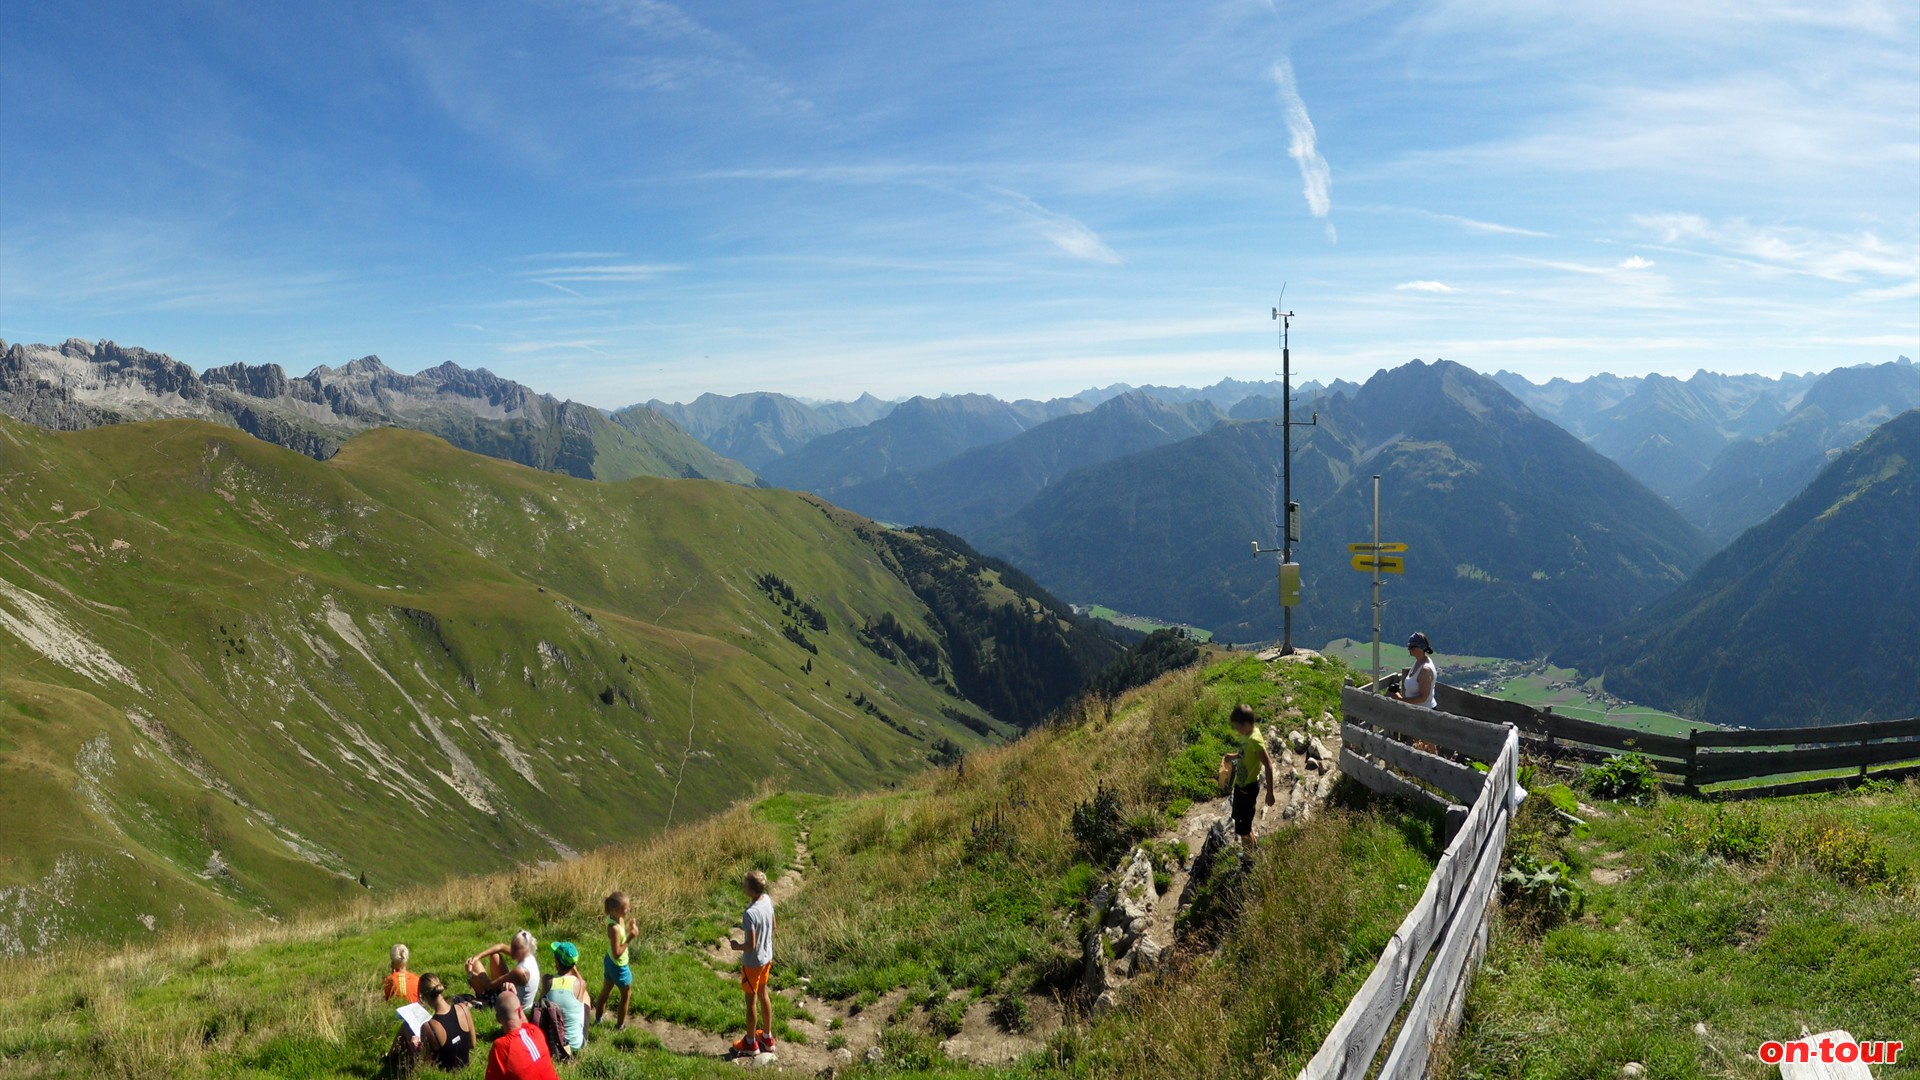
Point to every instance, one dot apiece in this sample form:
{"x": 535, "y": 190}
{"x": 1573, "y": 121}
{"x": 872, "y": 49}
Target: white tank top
{"x": 1433, "y": 688}
{"x": 527, "y": 993}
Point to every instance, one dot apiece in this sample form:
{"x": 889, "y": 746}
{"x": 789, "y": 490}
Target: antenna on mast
{"x": 1290, "y": 513}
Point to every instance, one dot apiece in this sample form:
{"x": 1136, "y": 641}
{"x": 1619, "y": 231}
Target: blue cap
{"x": 1419, "y": 641}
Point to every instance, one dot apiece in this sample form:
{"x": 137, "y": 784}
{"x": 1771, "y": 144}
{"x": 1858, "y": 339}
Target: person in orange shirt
{"x": 401, "y": 984}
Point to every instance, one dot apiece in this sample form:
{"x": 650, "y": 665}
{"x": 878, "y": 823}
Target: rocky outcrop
{"x": 82, "y": 384}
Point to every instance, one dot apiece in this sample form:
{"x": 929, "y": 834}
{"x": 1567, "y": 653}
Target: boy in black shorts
{"x": 1247, "y": 764}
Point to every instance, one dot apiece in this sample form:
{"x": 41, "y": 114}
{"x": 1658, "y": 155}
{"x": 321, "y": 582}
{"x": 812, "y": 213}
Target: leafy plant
{"x": 1010, "y": 1012}
{"x": 1624, "y": 778}
{"x": 1738, "y": 835}
{"x": 1101, "y": 828}
{"x": 989, "y": 834}
{"x": 1546, "y": 889}
{"x": 1529, "y": 772}
{"x": 1847, "y": 854}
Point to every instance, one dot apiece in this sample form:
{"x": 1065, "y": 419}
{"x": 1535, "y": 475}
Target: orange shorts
{"x": 754, "y": 979}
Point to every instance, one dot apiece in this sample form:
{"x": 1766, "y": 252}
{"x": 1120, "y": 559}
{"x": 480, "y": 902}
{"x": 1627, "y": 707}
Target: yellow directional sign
{"x": 1387, "y": 564}
{"x": 1383, "y": 547}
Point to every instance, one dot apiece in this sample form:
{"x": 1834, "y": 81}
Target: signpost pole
{"x": 1376, "y": 583}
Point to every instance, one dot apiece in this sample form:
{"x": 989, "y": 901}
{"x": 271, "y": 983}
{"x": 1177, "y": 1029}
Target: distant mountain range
{"x": 916, "y": 433}
{"x": 972, "y": 489}
{"x": 1727, "y": 450}
{"x": 755, "y": 429}
{"x": 1519, "y": 532}
{"x": 1755, "y": 476}
{"x": 83, "y": 384}
{"x": 1810, "y": 617}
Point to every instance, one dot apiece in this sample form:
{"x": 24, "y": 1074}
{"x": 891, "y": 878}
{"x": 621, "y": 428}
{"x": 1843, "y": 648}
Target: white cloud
{"x": 1473, "y": 225}
{"x": 1635, "y": 262}
{"x": 601, "y": 272}
{"x": 1315, "y": 177}
{"x": 1063, "y": 232}
{"x": 1832, "y": 256}
{"x": 1425, "y": 287}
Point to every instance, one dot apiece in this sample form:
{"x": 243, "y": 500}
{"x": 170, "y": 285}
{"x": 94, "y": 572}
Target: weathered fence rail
{"x": 1449, "y": 922}
{"x": 1714, "y": 755}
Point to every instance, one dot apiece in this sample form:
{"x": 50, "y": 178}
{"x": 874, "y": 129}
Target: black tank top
{"x": 455, "y": 1044}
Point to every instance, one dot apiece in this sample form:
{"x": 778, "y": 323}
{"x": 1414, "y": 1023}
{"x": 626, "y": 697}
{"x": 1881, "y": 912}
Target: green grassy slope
{"x": 907, "y": 891}
{"x": 1751, "y": 920}
{"x": 234, "y": 679}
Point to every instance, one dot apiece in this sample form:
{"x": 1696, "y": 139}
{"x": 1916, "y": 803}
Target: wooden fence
{"x": 1707, "y": 756}
{"x": 1449, "y": 923}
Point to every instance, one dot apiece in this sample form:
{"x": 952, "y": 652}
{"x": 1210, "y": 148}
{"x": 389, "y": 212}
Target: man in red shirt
{"x": 520, "y": 1053}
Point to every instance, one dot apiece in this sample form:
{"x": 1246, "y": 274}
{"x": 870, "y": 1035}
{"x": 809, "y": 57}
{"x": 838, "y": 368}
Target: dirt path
{"x": 980, "y": 1040}
{"x": 1305, "y": 768}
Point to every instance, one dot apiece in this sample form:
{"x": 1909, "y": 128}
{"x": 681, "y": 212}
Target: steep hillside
{"x": 940, "y": 927}
{"x": 235, "y": 679}
{"x": 919, "y": 432}
{"x": 754, "y": 429}
{"x": 1519, "y": 533}
{"x": 1753, "y": 477}
{"x": 966, "y": 492}
{"x": 1809, "y": 617}
{"x": 82, "y": 385}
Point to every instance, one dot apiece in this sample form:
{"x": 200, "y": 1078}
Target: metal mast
{"x": 1286, "y": 462}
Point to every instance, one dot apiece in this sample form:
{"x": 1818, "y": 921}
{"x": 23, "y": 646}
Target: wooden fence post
{"x": 1693, "y": 754}
{"x": 1864, "y": 758}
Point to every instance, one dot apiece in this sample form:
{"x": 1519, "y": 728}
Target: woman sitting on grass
{"x": 522, "y": 975}
{"x": 447, "y": 1038}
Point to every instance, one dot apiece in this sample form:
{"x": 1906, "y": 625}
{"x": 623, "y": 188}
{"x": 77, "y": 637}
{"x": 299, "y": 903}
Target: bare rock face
{"x": 83, "y": 384}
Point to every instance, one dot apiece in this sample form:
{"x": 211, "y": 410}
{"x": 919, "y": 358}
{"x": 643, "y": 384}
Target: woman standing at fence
{"x": 1423, "y": 679}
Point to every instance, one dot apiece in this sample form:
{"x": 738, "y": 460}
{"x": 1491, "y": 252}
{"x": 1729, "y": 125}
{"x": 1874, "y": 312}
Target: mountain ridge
{"x": 81, "y": 384}
{"x": 1756, "y": 637}
{"x": 1505, "y": 511}
{"x": 234, "y": 678}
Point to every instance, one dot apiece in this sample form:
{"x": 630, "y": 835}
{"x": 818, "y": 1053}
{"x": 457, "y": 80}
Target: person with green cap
{"x": 567, "y": 993}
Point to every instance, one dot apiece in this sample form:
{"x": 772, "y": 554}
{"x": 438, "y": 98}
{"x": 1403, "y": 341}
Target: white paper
{"x": 415, "y": 1015}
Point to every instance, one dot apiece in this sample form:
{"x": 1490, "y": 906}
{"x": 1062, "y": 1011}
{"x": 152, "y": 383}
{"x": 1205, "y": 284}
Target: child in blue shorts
{"x": 615, "y": 967}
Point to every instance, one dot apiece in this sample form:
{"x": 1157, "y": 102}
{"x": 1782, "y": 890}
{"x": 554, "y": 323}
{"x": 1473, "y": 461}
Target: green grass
{"x": 902, "y": 894}
{"x": 683, "y": 988}
{"x": 291, "y": 670}
{"x": 1145, "y": 625}
{"x": 1743, "y": 918}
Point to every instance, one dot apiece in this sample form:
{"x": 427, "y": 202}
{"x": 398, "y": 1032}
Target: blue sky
{"x": 619, "y": 200}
